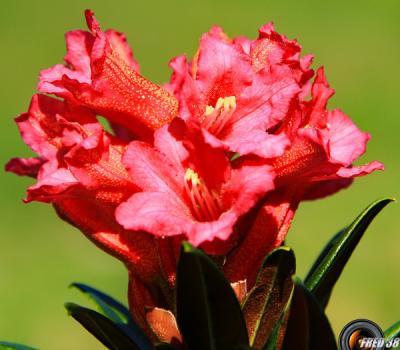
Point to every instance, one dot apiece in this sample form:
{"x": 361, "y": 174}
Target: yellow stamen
{"x": 192, "y": 176}
{"x": 215, "y": 118}
{"x": 206, "y": 204}
{"x": 227, "y": 103}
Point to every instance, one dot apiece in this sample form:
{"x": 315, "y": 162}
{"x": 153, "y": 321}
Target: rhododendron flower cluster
{"x": 221, "y": 156}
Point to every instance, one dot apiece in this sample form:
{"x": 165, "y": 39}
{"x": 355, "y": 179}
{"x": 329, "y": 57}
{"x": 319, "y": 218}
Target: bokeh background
{"x": 357, "y": 42}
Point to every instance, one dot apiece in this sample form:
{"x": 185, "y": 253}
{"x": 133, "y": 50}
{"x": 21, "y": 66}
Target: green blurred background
{"x": 358, "y": 43}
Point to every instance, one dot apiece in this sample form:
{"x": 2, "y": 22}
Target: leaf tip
{"x": 70, "y": 307}
{"x": 74, "y": 285}
{"x": 187, "y": 247}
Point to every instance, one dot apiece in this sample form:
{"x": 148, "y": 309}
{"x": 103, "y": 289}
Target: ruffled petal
{"x": 42, "y": 127}
{"x": 79, "y": 45}
{"x": 315, "y": 110}
{"x": 51, "y": 184}
{"x": 24, "y": 166}
{"x": 360, "y": 170}
{"x": 346, "y": 141}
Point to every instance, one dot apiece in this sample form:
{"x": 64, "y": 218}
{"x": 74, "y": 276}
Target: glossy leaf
{"x": 329, "y": 265}
{"x": 116, "y": 312}
{"x": 107, "y": 332}
{"x": 110, "y": 307}
{"x": 208, "y": 313}
{"x": 4, "y": 345}
{"x": 323, "y": 254}
{"x": 265, "y": 304}
{"x": 393, "y": 331}
{"x": 307, "y": 327}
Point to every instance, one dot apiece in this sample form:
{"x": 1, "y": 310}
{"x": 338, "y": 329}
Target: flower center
{"x": 205, "y": 204}
{"x": 215, "y": 118}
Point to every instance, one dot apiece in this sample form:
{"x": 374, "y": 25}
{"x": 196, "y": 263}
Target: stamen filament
{"x": 195, "y": 207}
{"x": 206, "y": 204}
{"x": 215, "y": 119}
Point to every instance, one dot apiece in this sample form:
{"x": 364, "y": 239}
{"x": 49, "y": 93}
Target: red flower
{"x": 324, "y": 144}
{"x": 236, "y": 92}
{"x": 80, "y": 172}
{"x": 188, "y": 187}
{"x": 101, "y": 74}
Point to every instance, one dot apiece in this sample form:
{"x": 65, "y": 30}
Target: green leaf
{"x": 107, "y": 332}
{"x": 110, "y": 307}
{"x": 308, "y": 326}
{"x": 266, "y": 302}
{"x": 330, "y": 263}
{"x": 4, "y": 345}
{"x": 208, "y": 312}
{"x": 323, "y": 254}
{"x": 116, "y": 312}
{"x": 393, "y": 331}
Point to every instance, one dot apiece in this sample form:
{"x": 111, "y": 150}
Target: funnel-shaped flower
{"x": 324, "y": 144}
{"x": 81, "y": 173}
{"x": 232, "y": 101}
{"x": 233, "y": 96}
{"x": 101, "y": 74}
{"x": 189, "y": 187}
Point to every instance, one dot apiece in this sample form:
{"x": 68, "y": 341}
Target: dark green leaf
{"x": 323, "y": 254}
{"x": 209, "y": 314}
{"x": 116, "y": 312}
{"x": 267, "y": 301}
{"x": 329, "y": 266}
{"x": 308, "y": 326}
{"x": 4, "y": 345}
{"x": 110, "y": 307}
{"x": 393, "y": 331}
{"x": 107, "y": 332}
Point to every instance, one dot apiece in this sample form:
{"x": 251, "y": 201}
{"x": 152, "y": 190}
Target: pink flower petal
{"x": 360, "y": 170}
{"x": 162, "y": 214}
{"x": 152, "y": 170}
{"x": 346, "y": 141}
